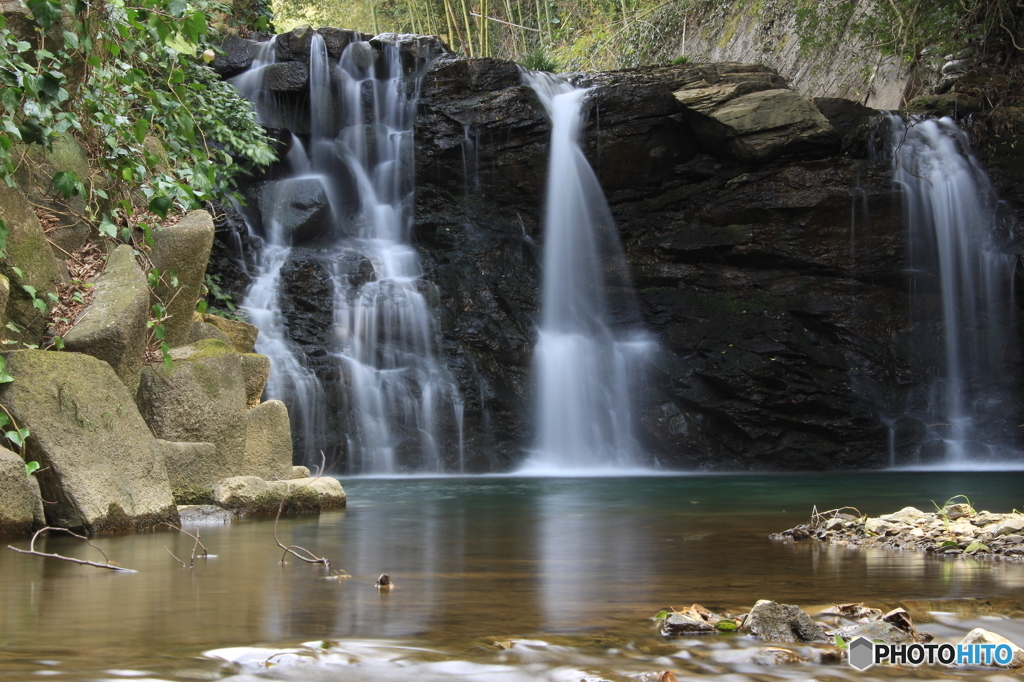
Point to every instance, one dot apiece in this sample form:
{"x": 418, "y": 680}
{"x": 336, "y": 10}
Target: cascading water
{"x": 586, "y": 371}
{"x": 955, "y": 244}
{"x": 395, "y": 389}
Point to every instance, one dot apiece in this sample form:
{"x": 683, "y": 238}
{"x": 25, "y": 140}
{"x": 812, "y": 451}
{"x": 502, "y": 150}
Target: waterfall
{"x": 395, "y": 390}
{"x": 586, "y": 371}
{"x": 955, "y": 245}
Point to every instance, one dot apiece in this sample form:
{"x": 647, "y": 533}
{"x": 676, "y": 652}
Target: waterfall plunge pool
{"x": 575, "y": 566}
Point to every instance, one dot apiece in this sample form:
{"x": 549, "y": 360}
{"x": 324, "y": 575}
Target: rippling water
{"x": 572, "y": 569}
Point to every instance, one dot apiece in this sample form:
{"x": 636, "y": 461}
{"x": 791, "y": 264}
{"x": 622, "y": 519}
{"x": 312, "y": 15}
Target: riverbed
{"x": 496, "y": 578}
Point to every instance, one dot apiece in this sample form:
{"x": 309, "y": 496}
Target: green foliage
{"x": 680, "y": 60}
{"x": 31, "y": 468}
{"x": 214, "y": 300}
{"x": 661, "y": 615}
{"x": 538, "y": 60}
{"x": 158, "y": 333}
{"x": 123, "y": 78}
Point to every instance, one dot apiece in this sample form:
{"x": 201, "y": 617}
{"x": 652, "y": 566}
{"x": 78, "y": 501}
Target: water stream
{"x": 586, "y": 370}
{"x": 384, "y": 336}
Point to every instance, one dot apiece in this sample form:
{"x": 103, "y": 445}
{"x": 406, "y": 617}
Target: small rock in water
{"x": 982, "y": 636}
{"x": 957, "y": 511}
{"x": 200, "y": 514}
{"x": 855, "y": 611}
{"x": 384, "y": 582}
{"x": 875, "y": 631}
{"x": 775, "y": 622}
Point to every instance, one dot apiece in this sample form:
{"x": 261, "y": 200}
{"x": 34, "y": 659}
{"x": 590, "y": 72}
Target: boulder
{"x": 294, "y": 45}
{"x": 204, "y": 515}
{"x": 255, "y": 372}
{"x": 299, "y": 208}
{"x": 337, "y": 39}
{"x": 686, "y": 624}
{"x": 982, "y": 636}
{"x": 27, "y": 250}
{"x": 286, "y": 77}
{"x": 242, "y": 335}
{"x": 761, "y": 125}
{"x": 21, "y": 507}
{"x": 775, "y": 622}
{"x": 181, "y": 251}
{"x": 236, "y": 57}
{"x": 192, "y": 469}
{"x": 113, "y": 327}
{"x": 851, "y": 120}
{"x": 253, "y": 495}
{"x": 328, "y": 490}
{"x": 300, "y": 472}
{"x": 36, "y": 167}
{"x": 268, "y": 442}
{"x": 199, "y": 330}
{"x": 102, "y": 468}
{"x": 200, "y": 399}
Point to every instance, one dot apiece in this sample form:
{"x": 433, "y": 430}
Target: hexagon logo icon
{"x": 861, "y": 653}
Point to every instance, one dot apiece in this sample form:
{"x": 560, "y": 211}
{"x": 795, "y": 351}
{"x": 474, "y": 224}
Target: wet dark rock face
{"x": 776, "y": 289}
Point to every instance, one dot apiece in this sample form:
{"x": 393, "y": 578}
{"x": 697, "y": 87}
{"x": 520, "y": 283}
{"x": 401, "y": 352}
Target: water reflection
{"x": 477, "y": 561}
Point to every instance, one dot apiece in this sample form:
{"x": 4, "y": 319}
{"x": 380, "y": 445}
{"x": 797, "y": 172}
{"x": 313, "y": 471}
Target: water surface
{"x": 583, "y": 563}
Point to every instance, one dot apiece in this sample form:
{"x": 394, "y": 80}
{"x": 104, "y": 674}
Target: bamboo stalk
{"x": 453, "y": 21}
{"x": 469, "y": 28}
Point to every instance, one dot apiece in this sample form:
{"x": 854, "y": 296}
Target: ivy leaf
{"x": 160, "y": 206}
{"x": 5, "y": 378}
{"x": 180, "y": 44}
{"x": 70, "y": 40}
{"x": 177, "y": 8}
{"x": 68, "y": 184}
{"x": 31, "y": 467}
{"x": 4, "y": 419}
{"x": 45, "y": 12}
{"x": 15, "y": 437}
{"x": 29, "y": 289}
{"x": 108, "y": 228}
{"x": 40, "y": 305}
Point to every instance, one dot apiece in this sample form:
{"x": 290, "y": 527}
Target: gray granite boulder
{"x": 113, "y": 327}
{"x": 180, "y": 253}
{"x": 102, "y": 470}
{"x": 21, "y": 507}
{"x": 200, "y": 399}
{"x": 268, "y": 442}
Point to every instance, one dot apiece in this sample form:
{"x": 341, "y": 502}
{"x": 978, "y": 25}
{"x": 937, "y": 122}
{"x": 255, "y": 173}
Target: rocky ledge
{"x": 955, "y": 530}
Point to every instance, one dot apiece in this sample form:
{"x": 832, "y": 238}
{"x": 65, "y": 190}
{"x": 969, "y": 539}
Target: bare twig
{"x": 300, "y": 553}
{"x": 196, "y": 546}
{"x": 34, "y": 552}
{"x": 174, "y": 557}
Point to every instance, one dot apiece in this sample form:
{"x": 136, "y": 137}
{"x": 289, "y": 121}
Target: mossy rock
{"x": 200, "y": 399}
{"x": 28, "y": 251}
{"x": 241, "y": 334}
{"x": 37, "y": 165}
{"x": 192, "y": 469}
{"x": 101, "y": 468}
{"x": 199, "y": 330}
{"x": 256, "y": 371}
{"x": 268, "y": 442}
{"x": 181, "y": 252}
{"x": 113, "y": 326}
{"x": 21, "y": 507}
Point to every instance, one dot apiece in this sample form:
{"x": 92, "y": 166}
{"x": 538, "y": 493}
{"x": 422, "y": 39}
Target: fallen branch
{"x": 300, "y": 553}
{"x": 197, "y": 545}
{"x": 46, "y": 555}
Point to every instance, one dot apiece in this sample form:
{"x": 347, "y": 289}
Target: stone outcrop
{"x": 268, "y": 442}
{"x": 101, "y": 467}
{"x": 113, "y": 326}
{"x": 200, "y": 399}
{"x": 200, "y": 330}
{"x": 299, "y": 207}
{"x": 253, "y": 495}
{"x": 21, "y": 507}
{"x": 255, "y": 372}
{"x": 241, "y": 335}
{"x": 180, "y": 253}
{"x": 29, "y": 254}
{"x": 192, "y": 469}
